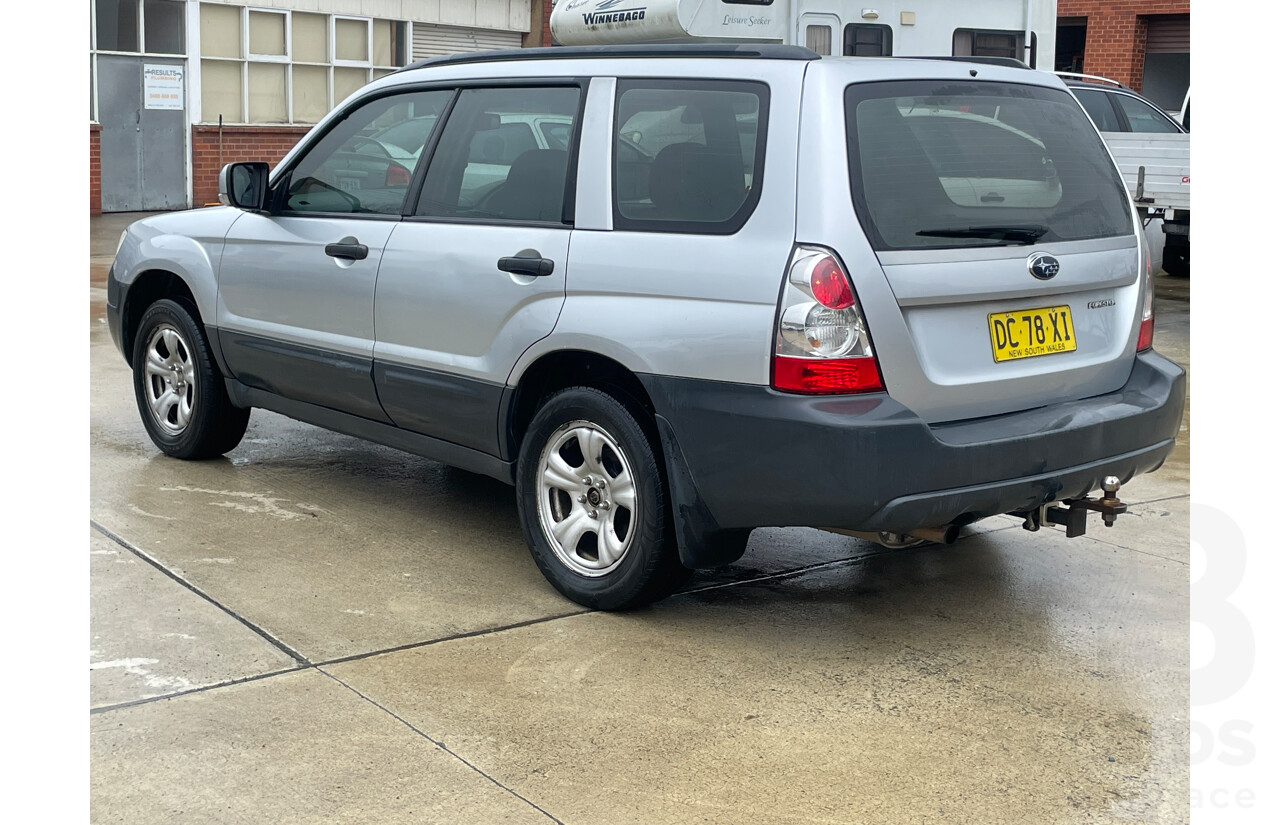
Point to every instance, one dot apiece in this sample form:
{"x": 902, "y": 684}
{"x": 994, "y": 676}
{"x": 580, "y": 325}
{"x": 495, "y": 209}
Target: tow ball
{"x": 1072, "y": 513}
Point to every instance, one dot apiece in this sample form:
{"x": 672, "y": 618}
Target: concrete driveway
{"x": 316, "y": 629}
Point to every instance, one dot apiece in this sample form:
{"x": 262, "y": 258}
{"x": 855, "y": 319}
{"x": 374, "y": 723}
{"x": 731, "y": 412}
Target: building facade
{"x": 1144, "y": 44}
{"x": 180, "y": 87}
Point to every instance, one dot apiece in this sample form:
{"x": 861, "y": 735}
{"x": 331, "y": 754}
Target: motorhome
{"x": 1021, "y": 29}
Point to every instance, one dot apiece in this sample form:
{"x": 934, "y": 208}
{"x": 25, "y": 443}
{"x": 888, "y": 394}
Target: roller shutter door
{"x": 1169, "y": 33}
{"x": 432, "y": 41}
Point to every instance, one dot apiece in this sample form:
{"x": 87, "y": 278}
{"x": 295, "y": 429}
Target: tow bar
{"x": 1071, "y": 513}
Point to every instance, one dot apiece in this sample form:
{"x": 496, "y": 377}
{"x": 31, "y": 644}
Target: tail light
{"x": 1147, "y": 329}
{"x": 822, "y": 345}
{"x": 397, "y": 175}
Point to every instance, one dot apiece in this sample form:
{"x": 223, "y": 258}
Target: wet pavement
{"x": 319, "y": 629}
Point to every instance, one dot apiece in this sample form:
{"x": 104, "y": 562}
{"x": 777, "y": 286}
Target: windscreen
{"x": 950, "y": 164}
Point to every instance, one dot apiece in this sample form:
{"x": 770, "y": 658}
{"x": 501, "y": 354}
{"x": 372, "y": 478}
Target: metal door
{"x": 144, "y": 150}
{"x": 295, "y": 317}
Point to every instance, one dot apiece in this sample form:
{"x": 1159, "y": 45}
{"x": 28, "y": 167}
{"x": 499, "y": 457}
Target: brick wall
{"x": 239, "y": 143}
{"x": 1116, "y": 34}
{"x": 546, "y": 24}
{"x": 95, "y": 169}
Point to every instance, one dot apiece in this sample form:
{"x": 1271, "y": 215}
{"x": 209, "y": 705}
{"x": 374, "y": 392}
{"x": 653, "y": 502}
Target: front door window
{"x": 366, "y": 162}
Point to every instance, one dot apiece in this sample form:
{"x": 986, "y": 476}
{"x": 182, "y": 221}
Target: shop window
{"x": 310, "y": 92}
{"x": 351, "y": 40}
{"x": 117, "y": 25}
{"x": 219, "y": 31}
{"x": 266, "y": 34}
{"x": 297, "y": 66}
{"x": 139, "y": 26}
{"x": 220, "y": 93}
{"x": 346, "y": 81}
{"x": 310, "y": 38}
{"x": 164, "y": 26}
{"x": 267, "y": 103}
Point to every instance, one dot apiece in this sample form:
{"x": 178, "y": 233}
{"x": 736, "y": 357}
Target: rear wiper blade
{"x": 1014, "y": 234}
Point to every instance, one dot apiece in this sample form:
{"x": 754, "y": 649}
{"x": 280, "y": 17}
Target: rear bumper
{"x": 746, "y": 456}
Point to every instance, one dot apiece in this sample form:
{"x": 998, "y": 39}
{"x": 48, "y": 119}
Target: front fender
{"x": 188, "y": 244}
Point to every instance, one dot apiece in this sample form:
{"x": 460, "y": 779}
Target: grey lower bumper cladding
{"x": 737, "y": 454}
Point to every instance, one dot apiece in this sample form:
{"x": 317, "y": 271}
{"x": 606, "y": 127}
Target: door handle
{"x": 527, "y": 262}
{"x": 348, "y": 248}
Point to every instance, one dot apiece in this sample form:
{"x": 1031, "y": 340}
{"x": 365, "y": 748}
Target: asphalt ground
{"x": 317, "y": 629}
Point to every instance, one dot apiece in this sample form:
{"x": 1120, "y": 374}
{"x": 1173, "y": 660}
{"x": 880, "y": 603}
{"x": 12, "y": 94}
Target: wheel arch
{"x": 561, "y": 369}
{"x": 146, "y": 288}
{"x": 700, "y": 539}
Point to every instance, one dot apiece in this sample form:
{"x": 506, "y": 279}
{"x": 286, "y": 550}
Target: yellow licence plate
{"x": 1026, "y": 333}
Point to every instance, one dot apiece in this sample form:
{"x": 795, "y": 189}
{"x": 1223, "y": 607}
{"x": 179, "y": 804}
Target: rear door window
{"x": 1144, "y": 117}
{"x": 688, "y": 154}
{"x": 1101, "y": 112}
{"x": 947, "y": 164}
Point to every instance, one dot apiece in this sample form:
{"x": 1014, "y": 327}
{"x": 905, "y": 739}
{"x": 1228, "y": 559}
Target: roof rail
{"x": 1094, "y": 78}
{"x": 767, "y": 51}
{"x": 1011, "y": 62}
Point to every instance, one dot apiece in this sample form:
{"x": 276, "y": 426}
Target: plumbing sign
{"x": 162, "y": 86}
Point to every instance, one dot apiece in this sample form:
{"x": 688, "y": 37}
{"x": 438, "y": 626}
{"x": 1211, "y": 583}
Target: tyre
{"x": 593, "y": 505}
{"x": 181, "y": 397}
{"x": 1177, "y": 259}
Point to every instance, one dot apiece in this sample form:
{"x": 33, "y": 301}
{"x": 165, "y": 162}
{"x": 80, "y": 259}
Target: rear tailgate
{"x": 961, "y": 187}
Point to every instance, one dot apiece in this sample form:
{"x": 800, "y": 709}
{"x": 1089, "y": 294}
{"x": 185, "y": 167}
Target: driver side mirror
{"x": 244, "y": 185}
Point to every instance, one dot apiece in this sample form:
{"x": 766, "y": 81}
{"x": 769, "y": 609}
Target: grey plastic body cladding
{"x": 446, "y": 452}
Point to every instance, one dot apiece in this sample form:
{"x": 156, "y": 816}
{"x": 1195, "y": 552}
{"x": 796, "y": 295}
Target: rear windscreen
{"x": 948, "y": 164}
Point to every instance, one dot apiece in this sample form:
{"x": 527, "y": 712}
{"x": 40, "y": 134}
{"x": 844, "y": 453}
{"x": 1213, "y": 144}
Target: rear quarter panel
{"x": 687, "y": 305}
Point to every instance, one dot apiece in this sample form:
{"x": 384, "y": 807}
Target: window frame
{"x": 245, "y": 36}
{"x": 729, "y": 226}
{"x": 368, "y": 42}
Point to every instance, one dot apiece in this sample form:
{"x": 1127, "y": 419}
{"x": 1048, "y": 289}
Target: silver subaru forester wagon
{"x": 674, "y": 293}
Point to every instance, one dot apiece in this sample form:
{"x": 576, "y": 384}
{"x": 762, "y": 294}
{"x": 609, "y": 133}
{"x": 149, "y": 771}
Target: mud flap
{"x": 700, "y": 538}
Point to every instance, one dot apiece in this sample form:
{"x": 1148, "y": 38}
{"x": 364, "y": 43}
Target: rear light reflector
{"x": 820, "y": 376}
{"x": 1146, "y": 334}
{"x": 1147, "y": 329}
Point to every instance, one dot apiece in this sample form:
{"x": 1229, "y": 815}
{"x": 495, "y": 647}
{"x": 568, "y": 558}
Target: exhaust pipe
{"x": 946, "y": 534}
